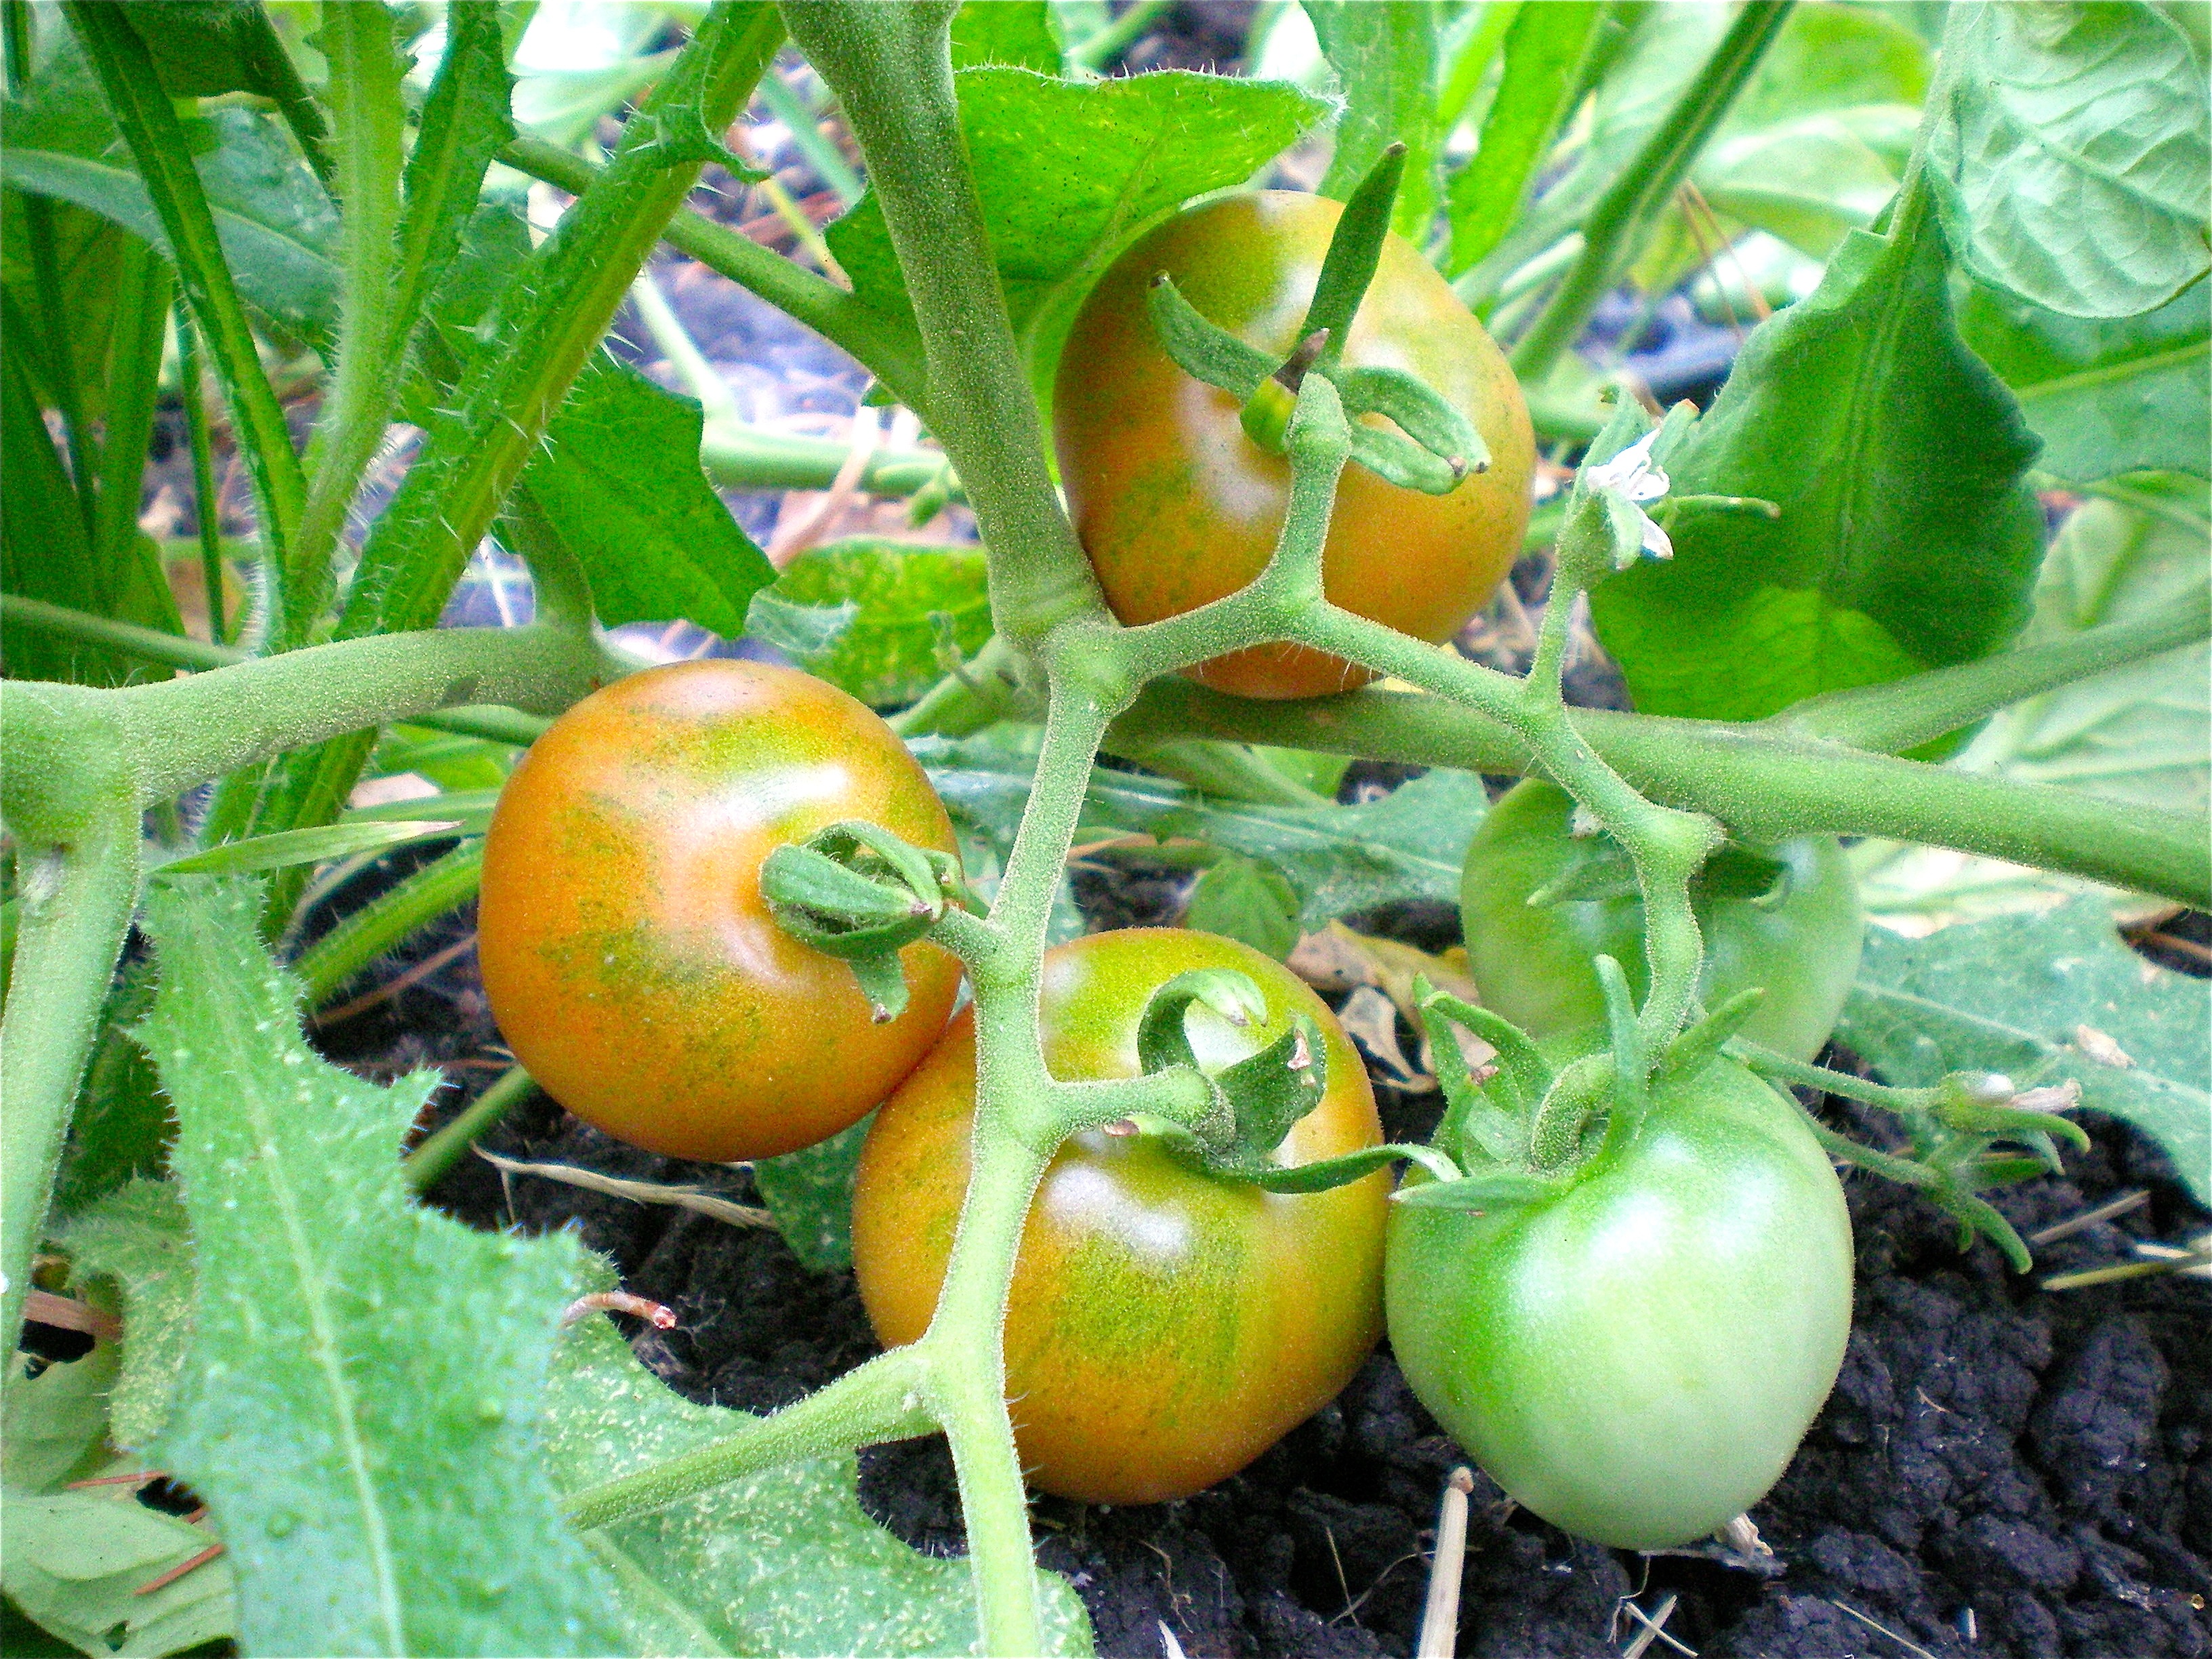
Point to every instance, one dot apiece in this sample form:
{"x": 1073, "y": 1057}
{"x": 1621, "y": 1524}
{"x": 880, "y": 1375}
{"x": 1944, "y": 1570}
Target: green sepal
{"x": 1269, "y": 1091}
{"x": 1354, "y": 251}
{"x": 1699, "y": 1046}
{"x": 1200, "y": 349}
{"x": 883, "y": 982}
{"x": 1162, "y": 1040}
{"x": 823, "y": 902}
{"x": 1419, "y": 413}
{"x": 1520, "y": 1063}
{"x": 1578, "y": 1094}
{"x": 1961, "y": 1105}
{"x": 1398, "y": 460}
{"x": 1631, "y": 1069}
{"x": 1328, "y": 1173}
{"x": 1626, "y": 520}
{"x": 1492, "y": 1189}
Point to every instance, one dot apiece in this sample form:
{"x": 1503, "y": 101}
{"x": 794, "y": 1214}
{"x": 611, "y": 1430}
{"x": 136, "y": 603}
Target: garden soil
{"x": 2002, "y": 1470}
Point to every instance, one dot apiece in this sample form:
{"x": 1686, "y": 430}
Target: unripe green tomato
{"x": 1165, "y": 1326}
{"x": 1177, "y": 506}
{"x": 1636, "y": 1359}
{"x": 1532, "y": 964}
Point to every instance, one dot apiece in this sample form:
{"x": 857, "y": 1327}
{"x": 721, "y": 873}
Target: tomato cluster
{"x": 1633, "y": 1351}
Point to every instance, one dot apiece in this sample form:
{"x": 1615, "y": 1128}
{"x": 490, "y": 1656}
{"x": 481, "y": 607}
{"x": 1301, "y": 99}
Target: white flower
{"x": 1632, "y": 475}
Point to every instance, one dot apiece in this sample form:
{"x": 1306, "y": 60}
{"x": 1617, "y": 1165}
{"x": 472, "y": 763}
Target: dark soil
{"x": 2002, "y": 1469}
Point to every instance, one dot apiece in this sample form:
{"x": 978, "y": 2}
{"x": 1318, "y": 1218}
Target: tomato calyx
{"x": 1434, "y": 447}
{"x": 856, "y": 891}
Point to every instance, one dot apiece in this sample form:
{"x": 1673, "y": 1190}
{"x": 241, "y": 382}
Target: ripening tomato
{"x": 1636, "y": 1359}
{"x": 1786, "y": 920}
{"x": 1176, "y": 507}
{"x": 630, "y": 959}
{"x": 1165, "y": 1328}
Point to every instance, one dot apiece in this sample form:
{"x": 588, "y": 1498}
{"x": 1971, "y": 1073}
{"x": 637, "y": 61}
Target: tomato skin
{"x": 1533, "y": 963}
{"x": 629, "y": 958}
{"x": 1176, "y": 507}
{"x": 1165, "y": 1328}
{"x": 1636, "y": 1359}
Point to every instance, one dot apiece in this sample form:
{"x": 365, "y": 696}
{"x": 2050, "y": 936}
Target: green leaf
{"x": 55, "y": 1421}
{"x": 87, "y": 256}
{"x": 77, "y": 1560}
{"x": 2105, "y": 398}
{"x": 362, "y": 1371}
{"x": 1242, "y": 898}
{"x": 2070, "y": 155}
{"x": 810, "y": 1194}
{"x": 1906, "y": 540}
{"x": 291, "y": 846}
{"x": 804, "y": 632}
{"x": 889, "y": 652}
{"x": 1069, "y": 173}
{"x": 1545, "y": 47}
{"x": 1387, "y": 59}
{"x": 2041, "y": 998}
{"x": 1019, "y": 33}
{"x": 277, "y": 227}
{"x": 1337, "y": 859}
{"x": 138, "y": 1237}
{"x": 465, "y": 122}
{"x": 620, "y": 483}
{"x": 783, "y": 1561}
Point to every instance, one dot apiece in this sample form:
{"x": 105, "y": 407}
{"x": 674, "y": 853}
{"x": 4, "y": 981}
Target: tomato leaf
{"x": 810, "y": 1194}
{"x": 1906, "y": 538}
{"x": 55, "y": 1421}
{"x": 1070, "y": 172}
{"x": 783, "y": 1561}
{"x": 2040, "y": 998}
{"x": 1388, "y": 60}
{"x": 1242, "y": 898}
{"x": 2068, "y": 157}
{"x": 888, "y": 652}
{"x": 362, "y": 1370}
{"x": 2105, "y": 396}
{"x": 621, "y": 483}
{"x": 1023, "y": 34}
{"x": 76, "y": 1562}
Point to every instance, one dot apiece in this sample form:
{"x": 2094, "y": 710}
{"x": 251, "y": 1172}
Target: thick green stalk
{"x": 1904, "y": 713}
{"x": 258, "y": 43}
{"x": 364, "y": 90}
{"x": 886, "y": 345}
{"x": 76, "y": 896}
{"x": 1762, "y": 786}
{"x": 1617, "y": 224}
{"x": 738, "y": 457}
{"x": 880, "y": 1399}
{"x": 495, "y": 725}
{"x": 148, "y": 122}
{"x": 891, "y": 67}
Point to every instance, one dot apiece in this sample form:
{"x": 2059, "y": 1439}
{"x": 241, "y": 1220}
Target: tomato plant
{"x": 1176, "y": 506}
{"x": 629, "y": 959}
{"x": 1635, "y": 1356}
{"x": 1787, "y": 922}
{"x": 1166, "y": 1327}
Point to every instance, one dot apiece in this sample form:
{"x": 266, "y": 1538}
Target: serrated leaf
{"x": 1906, "y": 540}
{"x": 138, "y": 1237}
{"x": 810, "y": 1194}
{"x": 77, "y": 1560}
{"x": 1069, "y": 172}
{"x": 801, "y": 631}
{"x": 779, "y": 1562}
{"x": 277, "y": 227}
{"x": 2070, "y": 155}
{"x": 621, "y": 485}
{"x": 889, "y": 652}
{"x": 1386, "y": 60}
{"x": 2042, "y": 998}
{"x": 2105, "y": 396}
{"x": 363, "y": 1373}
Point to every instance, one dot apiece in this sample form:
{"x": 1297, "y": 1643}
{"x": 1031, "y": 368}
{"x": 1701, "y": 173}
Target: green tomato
{"x": 1635, "y": 1358}
{"x": 1786, "y": 920}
